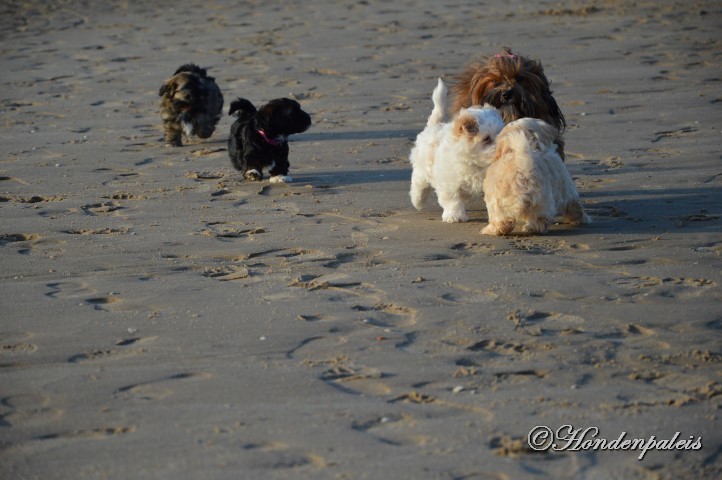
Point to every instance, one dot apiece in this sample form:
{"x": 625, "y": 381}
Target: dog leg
{"x": 279, "y": 172}
{"x": 419, "y": 190}
{"x": 253, "y": 175}
{"x": 575, "y": 214}
{"x": 173, "y": 133}
{"x": 454, "y": 208}
{"x": 454, "y": 213}
{"x": 503, "y": 227}
{"x": 498, "y": 223}
{"x": 537, "y": 225}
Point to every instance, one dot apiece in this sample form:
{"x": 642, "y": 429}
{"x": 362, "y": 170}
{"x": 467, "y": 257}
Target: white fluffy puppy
{"x": 527, "y": 181}
{"x": 452, "y": 157}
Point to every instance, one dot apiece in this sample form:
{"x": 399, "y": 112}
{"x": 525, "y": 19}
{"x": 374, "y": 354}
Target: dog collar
{"x": 270, "y": 141}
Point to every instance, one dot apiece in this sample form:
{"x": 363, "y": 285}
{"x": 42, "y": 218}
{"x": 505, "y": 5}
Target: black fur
{"x": 193, "y": 68}
{"x": 250, "y": 152}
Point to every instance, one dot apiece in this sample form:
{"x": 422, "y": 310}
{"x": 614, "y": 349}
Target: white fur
{"x": 187, "y": 127}
{"x": 452, "y": 157}
{"x": 528, "y": 182}
{"x": 280, "y": 179}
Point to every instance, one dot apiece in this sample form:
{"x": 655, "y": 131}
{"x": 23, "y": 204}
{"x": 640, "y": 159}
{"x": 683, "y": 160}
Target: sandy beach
{"x": 160, "y": 318}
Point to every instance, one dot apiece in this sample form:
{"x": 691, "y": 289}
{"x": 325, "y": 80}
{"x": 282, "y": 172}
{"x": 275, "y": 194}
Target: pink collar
{"x": 270, "y": 141}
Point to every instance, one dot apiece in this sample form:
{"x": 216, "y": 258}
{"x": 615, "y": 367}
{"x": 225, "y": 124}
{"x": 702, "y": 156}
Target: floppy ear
{"x": 466, "y": 126}
{"x": 168, "y": 88}
{"x": 554, "y": 111}
{"x": 544, "y": 134}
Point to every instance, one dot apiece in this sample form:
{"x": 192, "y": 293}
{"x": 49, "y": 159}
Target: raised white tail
{"x": 440, "y": 105}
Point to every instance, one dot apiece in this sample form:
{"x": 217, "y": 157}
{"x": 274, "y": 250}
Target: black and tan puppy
{"x": 191, "y": 104}
{"x": 259, "y": 137}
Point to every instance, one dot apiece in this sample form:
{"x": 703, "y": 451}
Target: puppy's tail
{"x": 242, "y": 106}
{"x": 440, "y": 105}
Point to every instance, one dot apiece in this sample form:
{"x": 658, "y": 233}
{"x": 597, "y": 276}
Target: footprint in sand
{"x": 366, "y": 259}
{"x": 387, "y": 315}
{"x": 33, "y": 243}
{"x": 154, "y": 390}
{"x": 392, "y": 429}
{"x": 356, "y": 380}
{"x": 519, "y": 376}
{"x": 276, "y": 455}
{"x": 670, "y": 287}
{"x": 536, "y": 323}
{"x": 499, "y": 347}
{"x": 102, "y": 303}
{"x": 112, "y": 353}
{"x": 101, "y": 208}
{"x": 229, "y": 231}
{"x": 31, "y": 198}
{"x": 69, "y": 289}
{"x": 97, "y": 231}
{"x": 14, "y": 343}
{"x": 101, "y": 354}
{"x": 546, "y": 247}
{"x": 8, "y": 238}
{"x": 29, "y": 410}
{"x": 100, "y": 432}
{"x": 462, "y": 294}
{"x": 226, "y": 273}
{"x": 339, "y": 372}
{"x": 481, "y": 352}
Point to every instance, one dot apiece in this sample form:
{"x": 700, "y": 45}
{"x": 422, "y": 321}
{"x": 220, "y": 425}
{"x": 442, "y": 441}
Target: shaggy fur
{"x": 527, "y": 181}
{"x": 191, "y": 104}
{"x": 452, "y": 157}
{"x": 514, "y": 84}
{"x": 259, "y": 137}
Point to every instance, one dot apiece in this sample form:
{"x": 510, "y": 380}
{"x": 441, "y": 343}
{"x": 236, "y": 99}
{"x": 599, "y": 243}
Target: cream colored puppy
{"x": 527, "y": 182}
{"x": 452, "y": 157}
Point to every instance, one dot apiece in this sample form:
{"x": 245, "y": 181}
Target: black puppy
{"x": 259, "y": 137}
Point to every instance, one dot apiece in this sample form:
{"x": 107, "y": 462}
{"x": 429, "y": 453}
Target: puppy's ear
{"x": 466, "y": 126}
{"x": 544, "y": 134}
{"x": 554, "y": 111}
{"x": 167, "y": 89}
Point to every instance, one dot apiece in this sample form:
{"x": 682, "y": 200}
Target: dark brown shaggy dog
{"x": 515, "y": 85}
{"x": 191, "y": 103}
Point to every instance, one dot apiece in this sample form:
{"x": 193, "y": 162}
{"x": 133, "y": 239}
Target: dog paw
{"x": 280, "y": 179}
{"x": 539, "y": 226}
{"x": 490, "y": 230}
{"x": 454, "y": 217}
{"x": 499, "y": 228}
{"x": 253, "y": 176}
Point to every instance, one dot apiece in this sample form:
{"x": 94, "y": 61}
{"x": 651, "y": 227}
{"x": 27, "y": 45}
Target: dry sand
{"x": 163, "y": 319}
